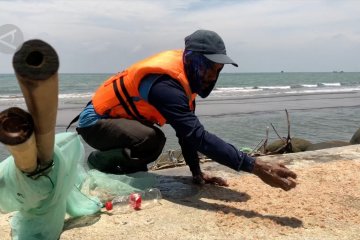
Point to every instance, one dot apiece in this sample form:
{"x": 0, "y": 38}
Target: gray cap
{"x": 210, "y": 44}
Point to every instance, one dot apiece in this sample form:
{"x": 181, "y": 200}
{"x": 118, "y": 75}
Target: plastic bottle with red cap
{"x": 135, "y": 201}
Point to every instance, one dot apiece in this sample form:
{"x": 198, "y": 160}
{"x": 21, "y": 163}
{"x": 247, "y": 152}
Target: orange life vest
{"x": 119, "y": 95}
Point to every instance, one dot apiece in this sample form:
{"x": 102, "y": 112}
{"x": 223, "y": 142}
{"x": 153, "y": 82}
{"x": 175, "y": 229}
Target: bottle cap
{"x": 109, "y": 206}
{"x": 135, "y": 201}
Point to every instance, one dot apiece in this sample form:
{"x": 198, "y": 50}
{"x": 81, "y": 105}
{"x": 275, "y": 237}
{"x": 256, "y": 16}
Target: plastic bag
{"x": 41, "y": 203}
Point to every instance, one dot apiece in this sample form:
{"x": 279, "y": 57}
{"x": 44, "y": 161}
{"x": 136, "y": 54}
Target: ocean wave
{"x": 19, "y": 97}
{"x": 236, "y": 92}
{"x": 236, "y": 89}
{"x": 75, "y": 95}
{"x": 283, "y": 87}
{"x": 304, "y": 86}
{"x": 337, "y": 90}
{"x": 6, "y": 97}
{"x": 329, "y": 84}
{"x": 273, "y": 87}
{"x": 220, "y": 92}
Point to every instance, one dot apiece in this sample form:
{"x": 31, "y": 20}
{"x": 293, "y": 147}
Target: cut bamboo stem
{"x": 17, "y": 134}
{"x": 36, "y": 64}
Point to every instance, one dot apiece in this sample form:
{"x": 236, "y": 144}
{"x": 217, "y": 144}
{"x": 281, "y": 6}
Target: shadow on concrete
{"x": 82, "y": 221}
{"x": 179, "y": 189}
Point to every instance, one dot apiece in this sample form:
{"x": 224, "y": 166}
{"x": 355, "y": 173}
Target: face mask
{"x": 205, "y": 92}
{"x": 197, "y": 68}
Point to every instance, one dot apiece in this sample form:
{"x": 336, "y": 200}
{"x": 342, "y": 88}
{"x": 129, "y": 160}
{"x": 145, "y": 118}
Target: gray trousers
{"x": 128, "y": 145}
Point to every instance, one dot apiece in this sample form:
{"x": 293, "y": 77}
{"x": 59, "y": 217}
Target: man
{"x": 120, "y": 119}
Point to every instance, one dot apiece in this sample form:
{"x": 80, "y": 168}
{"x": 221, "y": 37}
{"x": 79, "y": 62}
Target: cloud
{"x": 261, "y": 35}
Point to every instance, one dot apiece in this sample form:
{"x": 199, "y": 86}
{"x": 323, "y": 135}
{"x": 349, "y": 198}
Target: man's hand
{"x": 203, "y": 178}
{"x": 275, "y": 175}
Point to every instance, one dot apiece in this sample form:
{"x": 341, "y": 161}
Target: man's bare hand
{"x": 275, "y": 175}
{"x": 204, "y": 178}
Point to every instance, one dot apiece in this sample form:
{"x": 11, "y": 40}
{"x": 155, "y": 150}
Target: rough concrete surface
{"x": 324, "y": 205}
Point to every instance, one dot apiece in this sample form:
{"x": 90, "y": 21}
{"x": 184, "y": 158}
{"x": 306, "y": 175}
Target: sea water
{"x": 321, "y": 106}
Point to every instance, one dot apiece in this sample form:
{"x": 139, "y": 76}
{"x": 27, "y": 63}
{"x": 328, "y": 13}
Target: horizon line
{"x": 341, "y": 71}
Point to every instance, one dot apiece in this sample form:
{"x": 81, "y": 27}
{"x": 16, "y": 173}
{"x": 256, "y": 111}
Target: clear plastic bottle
{"x": 135, "y": 201}
{"x": 150, "y": 198}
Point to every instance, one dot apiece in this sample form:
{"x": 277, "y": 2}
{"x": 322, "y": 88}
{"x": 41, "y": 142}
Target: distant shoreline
{"x": 273, "y": 72}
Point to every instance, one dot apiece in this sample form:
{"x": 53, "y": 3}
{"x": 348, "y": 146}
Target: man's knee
{"x": 152, "y": 146}
{"x": 161, "y": 139}
{"x": 158, "y": 139}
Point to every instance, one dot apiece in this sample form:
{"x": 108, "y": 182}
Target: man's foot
{"x": 112, "y": 161}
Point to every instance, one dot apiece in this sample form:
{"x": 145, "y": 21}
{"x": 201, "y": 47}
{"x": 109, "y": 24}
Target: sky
{"x": 99, "y": 36}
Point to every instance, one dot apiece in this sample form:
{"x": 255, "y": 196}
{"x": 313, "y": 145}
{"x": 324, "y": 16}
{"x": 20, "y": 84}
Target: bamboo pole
{"x": 17, "y": 134}
{"x": 36, "y": 64}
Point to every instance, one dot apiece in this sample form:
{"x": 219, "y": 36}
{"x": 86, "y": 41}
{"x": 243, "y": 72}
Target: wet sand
{"x": 261, "y": 104}
{"x": 243, "y": 120}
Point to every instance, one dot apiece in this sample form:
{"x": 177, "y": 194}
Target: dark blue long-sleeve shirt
{"x": 169, "y": 98}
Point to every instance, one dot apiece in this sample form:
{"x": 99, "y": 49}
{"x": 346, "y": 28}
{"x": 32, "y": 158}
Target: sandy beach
{"x": 324, "y": 205}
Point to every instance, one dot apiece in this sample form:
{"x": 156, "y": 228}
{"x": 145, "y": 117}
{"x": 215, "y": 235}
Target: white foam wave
{"x": 338, "y": 90}
{"x": 10, "y": 97}
{"x": 236, "y": 89}
{"x": 75, "y": 95}
{"x": 330, "y": 84}
{"x": 20, "y": 98}
{"x": 274, "y": 87}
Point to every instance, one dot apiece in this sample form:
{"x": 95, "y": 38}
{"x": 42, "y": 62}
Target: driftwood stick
{"x": 267, "y": 138}
{"x": 256, "y": 148}
{"x": 280, "y": 149}
{"x": 288, "y": 123}
{"x": 288, "y": 147}
{"x": 277, "y": 133}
